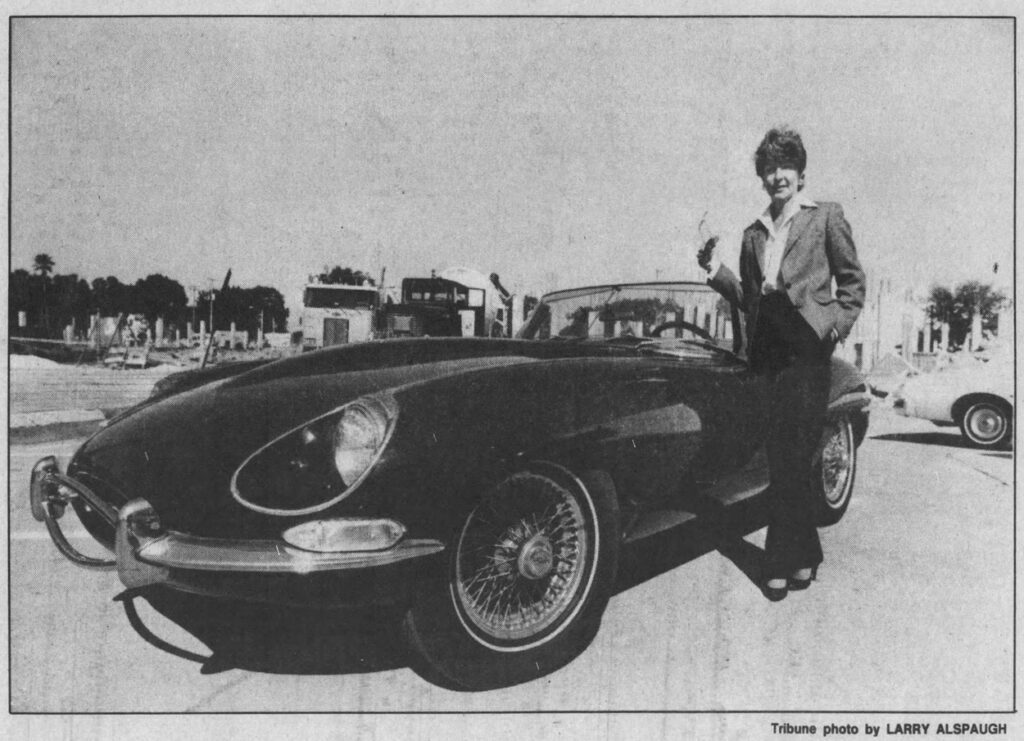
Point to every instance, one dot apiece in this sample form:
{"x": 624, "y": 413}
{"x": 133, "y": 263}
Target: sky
{"x": 555, "y": 152}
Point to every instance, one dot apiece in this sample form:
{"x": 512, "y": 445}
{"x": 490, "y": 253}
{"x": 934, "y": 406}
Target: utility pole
{"x": 209, "y": 343}
{"x": 878, "y": 324}
{"x": 211, "y": 280}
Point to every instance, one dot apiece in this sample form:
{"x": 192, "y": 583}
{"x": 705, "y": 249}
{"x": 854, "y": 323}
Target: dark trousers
{"x": 797, "y": 364}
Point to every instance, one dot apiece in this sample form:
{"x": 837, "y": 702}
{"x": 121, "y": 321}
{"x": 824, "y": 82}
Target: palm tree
{"x": 43, "y": 265}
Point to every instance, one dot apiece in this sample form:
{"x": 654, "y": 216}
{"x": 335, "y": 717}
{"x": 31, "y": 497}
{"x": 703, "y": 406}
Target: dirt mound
{"x": 31, "y": 361}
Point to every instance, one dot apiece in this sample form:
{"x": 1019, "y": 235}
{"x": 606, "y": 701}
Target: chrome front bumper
{"x": 146, "y": 554}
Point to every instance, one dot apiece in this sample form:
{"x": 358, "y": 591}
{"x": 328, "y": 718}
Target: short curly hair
{"x": 780, "y": 146}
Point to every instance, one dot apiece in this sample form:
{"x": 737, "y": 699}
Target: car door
{"x": 667, "y": 427}
{"x": 727, "y": 406}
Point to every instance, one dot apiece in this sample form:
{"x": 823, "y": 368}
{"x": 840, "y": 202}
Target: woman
{"x": 788, "y": 260}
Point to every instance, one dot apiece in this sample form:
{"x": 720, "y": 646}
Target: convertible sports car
{"x": 484, "y": 485}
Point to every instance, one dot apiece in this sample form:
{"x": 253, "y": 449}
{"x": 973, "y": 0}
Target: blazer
{"x": 819, "y": 248}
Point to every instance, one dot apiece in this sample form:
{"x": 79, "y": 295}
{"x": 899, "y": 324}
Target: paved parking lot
{"x": 913, "y": 611}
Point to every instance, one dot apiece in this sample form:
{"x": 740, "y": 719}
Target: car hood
{"x": 180, "y": 452}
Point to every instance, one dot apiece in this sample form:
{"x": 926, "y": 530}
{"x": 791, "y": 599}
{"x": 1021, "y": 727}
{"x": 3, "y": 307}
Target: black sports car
{"x": 484, "y": 485}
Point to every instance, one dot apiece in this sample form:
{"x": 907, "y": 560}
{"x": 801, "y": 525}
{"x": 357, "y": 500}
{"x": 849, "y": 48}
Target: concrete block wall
{"x": 70, "y": 387}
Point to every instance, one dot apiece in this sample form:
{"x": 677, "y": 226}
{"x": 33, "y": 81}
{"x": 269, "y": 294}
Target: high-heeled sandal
{"x": 775, "y": 594}
{"x": 796, "y": 585}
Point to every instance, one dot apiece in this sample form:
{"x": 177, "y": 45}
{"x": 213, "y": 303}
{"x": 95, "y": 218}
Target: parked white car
{"x": 973, "y": 392}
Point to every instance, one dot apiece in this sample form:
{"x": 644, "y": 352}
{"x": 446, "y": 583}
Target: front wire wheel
{"x": 835, "y": 468}
{"x": 524, "y": 560}
{"x": 531, "y": 570}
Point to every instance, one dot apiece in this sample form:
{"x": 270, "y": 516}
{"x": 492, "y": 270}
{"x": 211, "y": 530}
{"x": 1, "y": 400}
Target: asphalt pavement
{"x": 913, "y": 611}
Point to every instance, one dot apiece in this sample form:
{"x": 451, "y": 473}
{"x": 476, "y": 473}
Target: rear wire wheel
{"x": 530, "y": 571}
{"x": 835, "y": 467}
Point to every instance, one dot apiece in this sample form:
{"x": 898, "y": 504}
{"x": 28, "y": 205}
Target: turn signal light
{"x": 344, "y": 534}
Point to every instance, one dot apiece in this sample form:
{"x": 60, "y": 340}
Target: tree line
{"x": 958, "y": 306}
{"x": 47, "y": 302}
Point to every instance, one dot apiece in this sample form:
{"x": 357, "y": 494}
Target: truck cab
{"x": 458, "y": 302}
{"x": 337, "y": 314}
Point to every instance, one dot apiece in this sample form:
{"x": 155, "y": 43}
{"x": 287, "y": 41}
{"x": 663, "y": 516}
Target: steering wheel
{"x": 680, "y": 324}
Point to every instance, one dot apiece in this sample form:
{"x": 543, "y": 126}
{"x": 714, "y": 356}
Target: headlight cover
{"x": 357, "y": 436}
{"x": 316, "y": 465}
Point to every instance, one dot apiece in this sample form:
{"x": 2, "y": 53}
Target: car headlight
{"x": 315, "y": 465}
{"x": 358, "y": 435}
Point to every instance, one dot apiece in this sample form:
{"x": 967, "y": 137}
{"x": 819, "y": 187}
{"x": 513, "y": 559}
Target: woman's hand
{"x": 706, "y": 253}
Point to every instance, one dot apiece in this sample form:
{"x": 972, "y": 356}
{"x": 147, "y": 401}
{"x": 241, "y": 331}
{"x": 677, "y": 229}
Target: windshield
{"x": 339, "y": 298}
{"x": 666, "y": 311}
